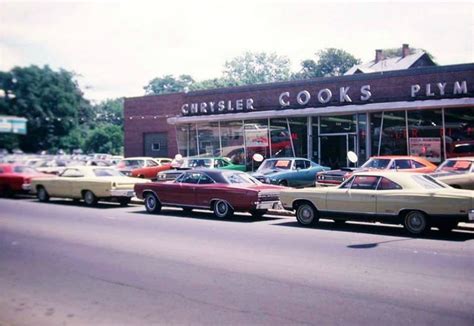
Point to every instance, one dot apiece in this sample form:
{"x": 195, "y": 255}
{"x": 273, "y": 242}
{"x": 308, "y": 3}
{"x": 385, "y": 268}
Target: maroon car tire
{"x": 222, "y": 209}
{"x": 152, "y": 203}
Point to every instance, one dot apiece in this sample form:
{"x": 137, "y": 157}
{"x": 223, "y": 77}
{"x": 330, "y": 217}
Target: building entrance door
{"x": 334, "y": 148}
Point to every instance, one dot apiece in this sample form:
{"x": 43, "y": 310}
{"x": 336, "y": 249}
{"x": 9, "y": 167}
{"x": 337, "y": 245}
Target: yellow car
{"x": 90, "y": 183}
{"x": 417, "y": 201}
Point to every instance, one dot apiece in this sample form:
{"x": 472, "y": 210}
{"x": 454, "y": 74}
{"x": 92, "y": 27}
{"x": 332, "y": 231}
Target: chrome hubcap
{"x": 221, "y": 208}
{"x": 150, "y": 201}
{"x": 306, "y": 214}
{"x": 416, "y": 222}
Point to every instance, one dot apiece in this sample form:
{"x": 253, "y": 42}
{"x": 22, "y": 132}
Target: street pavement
{"x": 63, "y": 263}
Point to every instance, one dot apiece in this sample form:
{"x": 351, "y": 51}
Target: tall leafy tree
{"x": 109, "y": 111}
{"x": 51, "y": 101}
{"x": 330, "y": 62}
{"x": 105, "y": 138}
{"x": 169, "y": 84}
{"x": 255, "y": 68}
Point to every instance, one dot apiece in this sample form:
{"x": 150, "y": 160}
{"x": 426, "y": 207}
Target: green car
{"x": 199, "y": 162}
{"x": 212, "y": 163}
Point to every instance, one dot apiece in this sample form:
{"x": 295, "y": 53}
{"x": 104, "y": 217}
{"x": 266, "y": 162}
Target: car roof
{"x": 466, "y": 158}
{"x": 286, "y": 158}
{"x": 139, "y": 158}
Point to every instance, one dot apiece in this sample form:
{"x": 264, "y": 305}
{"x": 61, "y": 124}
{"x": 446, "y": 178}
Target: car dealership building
{"x": 421, "y": 109}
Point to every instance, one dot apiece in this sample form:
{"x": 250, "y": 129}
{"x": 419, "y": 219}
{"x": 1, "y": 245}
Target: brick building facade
{"x": 425, "y": 111}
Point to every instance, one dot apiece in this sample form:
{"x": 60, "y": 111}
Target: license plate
{"x": 131, "y": 193}
{"x": 471, "y": 215}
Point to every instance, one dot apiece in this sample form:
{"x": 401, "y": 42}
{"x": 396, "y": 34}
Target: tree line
{"x": 60, "y": 117}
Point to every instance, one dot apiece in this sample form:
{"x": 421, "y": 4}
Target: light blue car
{"x": 289, "y": 171}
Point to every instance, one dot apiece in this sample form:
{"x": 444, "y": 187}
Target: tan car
{"x": 457, "y": 172}
{"x": 417, "y": 201}
{"x": 90, "y": 183}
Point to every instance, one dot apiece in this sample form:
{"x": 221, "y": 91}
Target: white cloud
{"x": 118, "y": 47}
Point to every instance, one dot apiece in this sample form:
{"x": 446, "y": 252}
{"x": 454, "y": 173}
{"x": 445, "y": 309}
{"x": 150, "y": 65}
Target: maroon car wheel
{"x": 152, "y": 204}
{"x": 222, "y": 209}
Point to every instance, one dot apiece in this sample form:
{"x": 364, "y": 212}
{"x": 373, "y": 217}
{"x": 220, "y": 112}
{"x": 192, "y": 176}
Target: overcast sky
{"x": 119, "y": 46}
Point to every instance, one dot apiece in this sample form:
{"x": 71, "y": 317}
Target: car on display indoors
{"x": 387, "y": 163}
{"x": 142, "y": 167}
{"x": 415, "y": 200}
{"x": 90, "y": 183}
{"x": 222, "y": 191}
{"x": 288, "y": 171}
{"x": 15, "y": 178}
{"x": 457, "y": 172}
{"x": 189, "y": 163}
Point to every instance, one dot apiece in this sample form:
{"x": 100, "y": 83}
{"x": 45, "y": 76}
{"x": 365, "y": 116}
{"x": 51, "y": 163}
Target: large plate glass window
{"x": 232, "y": 139}
{"x": 388, "y": 133}
{"x": 257, "y": 139}
{"x": 299, "y": 135}
{"x": 208, "y": 137}
{"x": 425, "y": 134}
{"x": 280, "y": 138}
{"x": 459, "y": 124}
{"x": 187, "y": 140}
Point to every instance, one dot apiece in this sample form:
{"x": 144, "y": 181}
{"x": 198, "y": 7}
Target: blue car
{"x": 289, "y": 171}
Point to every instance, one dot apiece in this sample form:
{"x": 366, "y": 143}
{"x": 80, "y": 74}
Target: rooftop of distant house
{"x": 407, "y": 60}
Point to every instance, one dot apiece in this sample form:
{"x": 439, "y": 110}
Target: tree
{"x": 254, "y": 68}
{"x": 210, "y": 84}
{"x": 51, "y": 101}
{"x": 168, "y": 84}
{"x": 108, "y": 111}
{"x": 330, "y": 62}
{"x": 105, "y": 138}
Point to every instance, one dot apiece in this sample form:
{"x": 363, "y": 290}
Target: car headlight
{"x": 320, "y": 177}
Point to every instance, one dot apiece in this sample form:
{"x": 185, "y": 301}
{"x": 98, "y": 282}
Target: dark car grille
{"x": 332, "y": 178}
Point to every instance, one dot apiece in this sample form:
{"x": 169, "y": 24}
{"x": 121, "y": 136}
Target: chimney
{"x": 378, "y": 56}
{"x": 405, "y": 50}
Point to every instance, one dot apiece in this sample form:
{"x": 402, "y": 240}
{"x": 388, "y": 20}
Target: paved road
{"x": 63, "y": 263}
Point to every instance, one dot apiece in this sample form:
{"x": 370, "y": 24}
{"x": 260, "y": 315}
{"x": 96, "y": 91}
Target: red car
{"x": 388, "y": 162}
{"x": 149, "y": 172}
{"x": 16, "y": 178}
{"x": 222, "y": 191}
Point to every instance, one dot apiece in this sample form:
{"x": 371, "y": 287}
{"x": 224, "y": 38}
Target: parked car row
{"x": 377, "y": 192}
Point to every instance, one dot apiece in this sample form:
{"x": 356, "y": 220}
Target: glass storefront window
{"x": 256, "y": 139}
{"x": 459, "y": 124}
{"x": 388, "y": 131}
{"x": 208, "y": 137}
{"x": 425, "y": 134}
{"x": 232, "y": 139}
{"x": 338, "y": 124}
{"x": 280, "y": 138}
{"x": 299, "y": 135}
{"x": 186, "y": 138}
{"x": 362, "y": 126}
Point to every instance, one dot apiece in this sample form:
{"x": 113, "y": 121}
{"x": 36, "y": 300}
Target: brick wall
{"x": 149, "y": 113}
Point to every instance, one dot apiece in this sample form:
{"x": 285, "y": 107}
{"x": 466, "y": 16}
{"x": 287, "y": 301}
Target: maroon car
{"x": 222, "y": 191}
{"x": 16, "y": 178}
